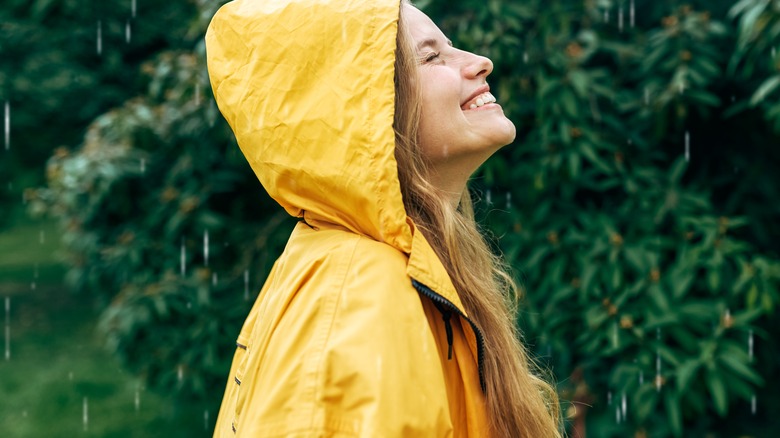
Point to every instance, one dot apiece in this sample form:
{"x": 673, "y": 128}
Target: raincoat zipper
{"x": 441, "y": 303}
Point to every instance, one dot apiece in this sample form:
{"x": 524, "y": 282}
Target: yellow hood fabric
{"x": 348, "y": 335}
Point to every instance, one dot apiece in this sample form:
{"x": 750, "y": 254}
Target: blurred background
{"x": 639, "y": 207}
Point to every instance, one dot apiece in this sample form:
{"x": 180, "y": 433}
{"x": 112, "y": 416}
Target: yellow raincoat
{"x": 358, "y": 330}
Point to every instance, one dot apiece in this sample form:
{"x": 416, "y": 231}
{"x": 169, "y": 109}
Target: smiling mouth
{"x": 479, "y": 101}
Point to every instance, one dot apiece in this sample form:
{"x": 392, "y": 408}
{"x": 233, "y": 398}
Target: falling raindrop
{"x": 606, "y": 15}
{"x": 70, "y": 376}
{"x": 85, "y": 415}
{"x": 753, "y": 405}
{"x": 687, "y": 146}
{"x": 133, "y": 8}
{"x": 213, "y": 278}
{"x": 206, "y": 248}
{"x": 180, "y": 372}
{"x": 7, "y": 328}
{"x": 183, "y": 259}
{"x": 197, "y": 94}
{"x": 750, "y": 345}
{"x": 682, "y": 87}
{"x": 143, "y": 165}
{"x": 609, "y": 398}
{"x": 508, "y": 200}
{"x": 658, "y": 378}
{"x": 615, "y": 341}
{"x": 487, "y": 198}
{"x": 632, "y": 14}
{"x": 127, "y": 32}
{"x": 7, "y": 124}
{"x": 620, "y": 18}
{"x": 137, "y": 400}
{"x": 647, "y": 96}
{"x": 617, "y": 414}
{"x": 246, "y": 284}
{"x": 99, "y": 37}
{"x": 623, "y": 405}
{"x": 33, "y": 286}
{"x": 41, "y": 237}
{"x": 525, "y": 57}
{"x": 206, "y": 419}
{"x": 641, "y": 378}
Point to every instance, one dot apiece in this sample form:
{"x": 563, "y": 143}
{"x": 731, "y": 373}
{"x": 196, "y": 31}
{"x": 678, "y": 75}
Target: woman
{"x": 386, "y": 314}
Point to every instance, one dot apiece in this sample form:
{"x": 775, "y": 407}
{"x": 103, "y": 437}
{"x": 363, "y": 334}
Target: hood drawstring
{"x": 446, "y": 314}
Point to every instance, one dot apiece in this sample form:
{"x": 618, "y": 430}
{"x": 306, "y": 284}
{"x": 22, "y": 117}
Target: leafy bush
{"x": 166, "y": 222}
{"x": 55, "y": 82}
{"x": 642, "y": 294}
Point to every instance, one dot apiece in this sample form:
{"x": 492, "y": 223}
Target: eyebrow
{"x": 430, "y": 42}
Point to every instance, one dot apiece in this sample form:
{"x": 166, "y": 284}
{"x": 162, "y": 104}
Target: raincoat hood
{"x": 315, "y": 119}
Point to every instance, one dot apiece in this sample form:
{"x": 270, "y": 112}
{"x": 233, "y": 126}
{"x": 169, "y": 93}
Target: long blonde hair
{"x": 519, "y": 403}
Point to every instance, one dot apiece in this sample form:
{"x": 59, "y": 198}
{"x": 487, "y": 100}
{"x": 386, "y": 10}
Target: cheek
{"x": 440, "y": 112}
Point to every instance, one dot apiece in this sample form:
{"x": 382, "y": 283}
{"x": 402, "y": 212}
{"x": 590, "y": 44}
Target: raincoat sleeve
{"x": 351, "y": 356}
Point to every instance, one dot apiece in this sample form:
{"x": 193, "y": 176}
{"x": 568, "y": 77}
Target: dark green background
{"x": 644, "y": 273}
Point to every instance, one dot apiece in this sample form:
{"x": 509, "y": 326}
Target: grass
{"x": 57, "y": 362}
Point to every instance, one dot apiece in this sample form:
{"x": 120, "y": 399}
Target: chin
{"x": 504, "y": 134}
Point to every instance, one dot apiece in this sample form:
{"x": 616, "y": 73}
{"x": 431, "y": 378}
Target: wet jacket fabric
{"x": 358, "y": 330}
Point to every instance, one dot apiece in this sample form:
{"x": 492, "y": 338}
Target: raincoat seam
{"x": 326, "y": 336}
{"x": 375, "y": 151}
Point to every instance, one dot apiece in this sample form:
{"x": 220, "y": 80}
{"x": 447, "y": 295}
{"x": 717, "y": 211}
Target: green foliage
{"x": 165, "y": 220}
{"x": 55, "y": 82}
{"x": 639, "y": 282}
{"x": 635, "y": 204}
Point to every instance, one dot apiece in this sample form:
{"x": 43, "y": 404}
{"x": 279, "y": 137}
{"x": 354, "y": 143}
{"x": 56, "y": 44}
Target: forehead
{"x": 421, "y": 27}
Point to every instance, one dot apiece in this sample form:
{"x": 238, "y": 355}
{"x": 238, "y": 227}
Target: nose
{"x": 477, "y": 66}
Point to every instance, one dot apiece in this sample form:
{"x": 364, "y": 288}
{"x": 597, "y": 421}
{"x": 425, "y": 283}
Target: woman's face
{"x": 461, "y": 125}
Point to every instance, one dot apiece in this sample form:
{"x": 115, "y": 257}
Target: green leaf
{"x": 681, "y": 284}
{"x": 659, "y": 298}
{"x": 765, "y": 89}
{"x": 685, "y": 372}
{"x": 678, "y": 168}
{"x": 743, "y": 318}
{"x": 673, "y": 412}
{"x": 717, "y": 388}
{"x": 741, "y": 368}
{"x": 574, "y": 165}
{"x": 579, "y": 81}
{"x": 589, "y": 153}
{"x": 645, "y": 401}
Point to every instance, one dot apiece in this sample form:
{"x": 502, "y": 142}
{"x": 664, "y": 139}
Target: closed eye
{"x": 431, "y": 57}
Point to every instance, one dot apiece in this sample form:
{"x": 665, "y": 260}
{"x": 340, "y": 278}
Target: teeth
{"x": 483, "y": 99}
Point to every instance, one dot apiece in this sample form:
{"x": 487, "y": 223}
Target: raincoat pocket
{"x": 241, "y": 356}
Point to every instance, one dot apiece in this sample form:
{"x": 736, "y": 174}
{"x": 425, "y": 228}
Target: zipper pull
{"x": 448, "y": 328}
{"x": 446, "y": 314}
